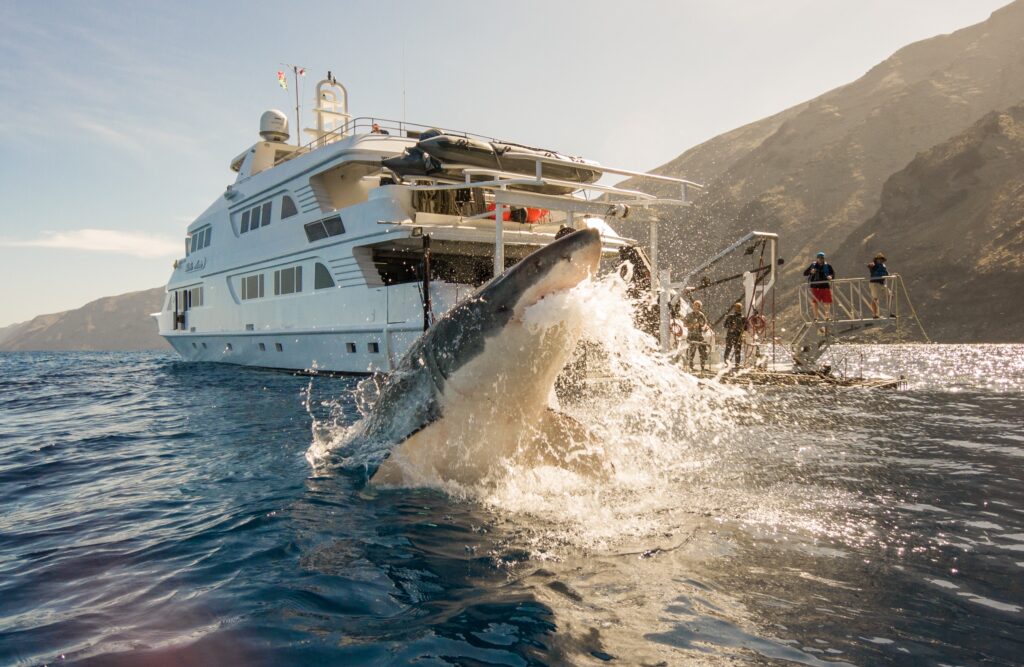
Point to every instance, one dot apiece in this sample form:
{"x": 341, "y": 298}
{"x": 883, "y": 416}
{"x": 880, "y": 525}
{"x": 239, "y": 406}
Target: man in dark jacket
{"x": 734, "y": 325}
{"x": 820, "y": 275}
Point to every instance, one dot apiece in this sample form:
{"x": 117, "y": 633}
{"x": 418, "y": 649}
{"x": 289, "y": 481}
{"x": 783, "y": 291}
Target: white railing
{"x": 851, "y": 301}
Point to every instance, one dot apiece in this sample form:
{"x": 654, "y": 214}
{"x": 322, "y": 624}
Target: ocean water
{"x": 158, "y": 512}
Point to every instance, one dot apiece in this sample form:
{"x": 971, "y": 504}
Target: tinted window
{"x": 315, "y": 231}
{"x": 252, "y": 287}
{"x": 266, "y": 213}
{"x": 333, "y": 226}
{"x": 206, "y": 237}
{"x": 322, "y": 277}
{"x": 254, "y": 218}
{"x": 287, "y": 281}
{"x": 288, "y": 208}
{"x": 245, "y": 222}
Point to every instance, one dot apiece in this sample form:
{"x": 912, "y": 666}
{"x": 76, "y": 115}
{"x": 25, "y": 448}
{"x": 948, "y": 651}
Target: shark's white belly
{"x": 493, "y": 408}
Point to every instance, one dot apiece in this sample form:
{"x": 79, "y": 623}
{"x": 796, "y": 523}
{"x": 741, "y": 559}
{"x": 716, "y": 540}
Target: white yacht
{"x": 336, "y": 254}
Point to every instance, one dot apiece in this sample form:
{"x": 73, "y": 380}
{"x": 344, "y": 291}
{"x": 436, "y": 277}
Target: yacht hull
{"x": 359, "y": 352}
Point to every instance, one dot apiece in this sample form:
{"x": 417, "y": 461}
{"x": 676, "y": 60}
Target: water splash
{"x": 652, "y": 426}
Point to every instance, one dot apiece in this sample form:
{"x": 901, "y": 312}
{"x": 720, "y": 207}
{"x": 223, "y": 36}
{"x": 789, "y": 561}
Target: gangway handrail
{"x": 850, "y": 295}
{"x": 816, "y": 335}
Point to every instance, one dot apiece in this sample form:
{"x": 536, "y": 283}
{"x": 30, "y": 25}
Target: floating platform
{"x": 792, "y": 378}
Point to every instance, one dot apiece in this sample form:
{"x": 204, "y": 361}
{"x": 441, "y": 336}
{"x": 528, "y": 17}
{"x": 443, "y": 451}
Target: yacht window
{"x": 322, "y": 277}
{"x": 252, "y": 287}
{"x": 315, "y": 231}
{"x": 193, "y": 241}
{"x": 187, "y": 248}
{"x": 254, "y": 219}
{"x": 195, "y": 297}
{"x": 263, "y": 347}
{"x": 245, "y": 222}
{"x": 206, "y": 238}
{"x": 279, "y": 347}
{"x": 267, "y": 208}
{"x": 333, "y": 226}
{"x": 373, "y": 348}
{"x": 288, "y": 281}
{"x": 321, "y": 229}
{"x": 350, "y": 347}
{"x": 288, "y": 208}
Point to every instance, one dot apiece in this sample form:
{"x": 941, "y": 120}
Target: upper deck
{"x": 357, "y": 170}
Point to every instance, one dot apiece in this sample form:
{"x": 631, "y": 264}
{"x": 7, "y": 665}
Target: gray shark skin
{"x": 467, "y": 390}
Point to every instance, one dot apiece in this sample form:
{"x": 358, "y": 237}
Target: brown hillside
{"x": 815, "y": 172}
{"x": 112, "y": 323}
{"x": 955, "y": 215}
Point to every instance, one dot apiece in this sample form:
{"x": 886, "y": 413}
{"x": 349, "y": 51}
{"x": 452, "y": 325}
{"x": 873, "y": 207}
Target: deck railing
{"x": 851, "y": 301}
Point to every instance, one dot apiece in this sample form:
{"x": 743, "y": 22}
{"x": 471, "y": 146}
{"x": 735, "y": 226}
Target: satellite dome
{"x": 274, "y": 126}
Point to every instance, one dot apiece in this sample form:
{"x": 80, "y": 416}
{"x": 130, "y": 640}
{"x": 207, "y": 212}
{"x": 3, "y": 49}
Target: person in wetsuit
{"x": 734, "y": 325}
{"x": 820, "y": 275}
{"x": 696, "y": 323}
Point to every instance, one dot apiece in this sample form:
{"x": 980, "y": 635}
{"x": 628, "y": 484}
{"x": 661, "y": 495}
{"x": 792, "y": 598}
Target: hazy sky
{"x": 118, "y": 119}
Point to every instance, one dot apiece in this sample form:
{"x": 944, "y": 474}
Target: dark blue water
{"x": 156, "y": 512}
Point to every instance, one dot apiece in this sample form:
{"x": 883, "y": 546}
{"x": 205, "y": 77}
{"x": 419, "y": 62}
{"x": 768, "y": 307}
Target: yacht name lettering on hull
{"x": 195, "y": 265}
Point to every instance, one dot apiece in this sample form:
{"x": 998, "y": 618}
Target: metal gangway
{"x": 850, "y": 312}
{"x": 756, "y": 282}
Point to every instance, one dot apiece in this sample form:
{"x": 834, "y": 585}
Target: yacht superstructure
{"x": 336, "y": 255}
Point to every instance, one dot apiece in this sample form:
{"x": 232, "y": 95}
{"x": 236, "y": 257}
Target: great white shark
{"x": 476, "y": 388}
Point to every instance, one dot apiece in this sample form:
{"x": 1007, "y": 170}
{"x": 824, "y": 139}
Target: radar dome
{"x": 274, "y": 126}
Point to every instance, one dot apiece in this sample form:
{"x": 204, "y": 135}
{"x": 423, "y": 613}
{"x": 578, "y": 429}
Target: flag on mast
{"x": 282, "y": 80}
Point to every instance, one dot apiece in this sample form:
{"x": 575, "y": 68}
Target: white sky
{"x": 118, "y": 119}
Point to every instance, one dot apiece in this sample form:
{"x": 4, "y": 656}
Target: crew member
{"x": 734, "y": 325}
{"x": 820, "y": 275}
{"x": 696, "y": 324}
{"x": 879, "y": 290}
{"x": 377, "y": 129}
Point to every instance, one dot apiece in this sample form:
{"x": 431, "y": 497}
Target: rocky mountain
{"x": 815, "y": 173}
{"x": 112, "y": 323}
{"x": 956, "y": 214}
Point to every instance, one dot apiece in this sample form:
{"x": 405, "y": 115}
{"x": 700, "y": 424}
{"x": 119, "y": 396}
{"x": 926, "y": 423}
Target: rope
{"x": 913, "y": 311}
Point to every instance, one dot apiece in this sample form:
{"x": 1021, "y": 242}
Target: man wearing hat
{"x": 696, "y": 324}
{"x": 879, "y": 291}
{"x": 820, "y": 275}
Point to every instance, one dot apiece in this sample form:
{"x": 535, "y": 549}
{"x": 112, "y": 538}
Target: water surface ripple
{"x": 153, "y": 511}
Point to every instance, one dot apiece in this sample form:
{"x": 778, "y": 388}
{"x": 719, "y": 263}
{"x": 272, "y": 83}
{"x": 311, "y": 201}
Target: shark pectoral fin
{"x": 566, "y": 443}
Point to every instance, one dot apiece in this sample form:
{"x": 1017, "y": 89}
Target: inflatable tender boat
{"x": 511, "y": 158}
{"x": 437, "y": 154}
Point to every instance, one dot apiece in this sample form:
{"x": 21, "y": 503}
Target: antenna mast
{"x": 296, "y": 73}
